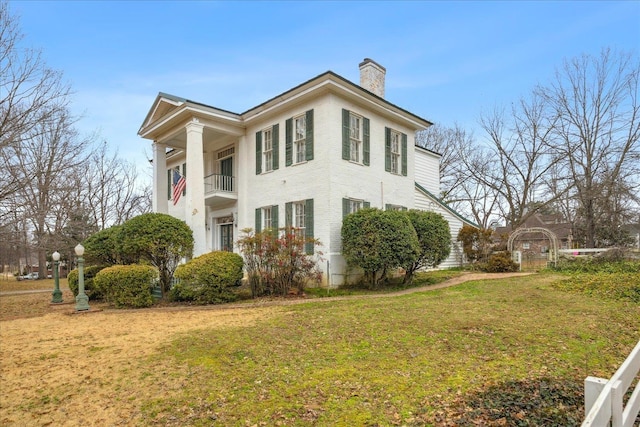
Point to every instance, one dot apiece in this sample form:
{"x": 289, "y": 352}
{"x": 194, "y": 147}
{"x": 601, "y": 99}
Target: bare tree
{"x": 30, "y": 93}
{"x": 112, "y": 194}
{"x": 451, "y": 143}
{"x": 48, "y": 156}
{"x": 519, "y": 157}
{"x": 595, "y": 100}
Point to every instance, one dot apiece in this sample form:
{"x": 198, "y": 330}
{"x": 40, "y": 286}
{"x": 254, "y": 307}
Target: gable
{"x": 163, "y": 105}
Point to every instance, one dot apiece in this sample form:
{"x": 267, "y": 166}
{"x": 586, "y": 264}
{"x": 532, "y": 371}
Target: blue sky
{"x": 446, "y": 61}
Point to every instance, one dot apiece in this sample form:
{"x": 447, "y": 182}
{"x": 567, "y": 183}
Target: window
{"x": 395, "y": 152}
{"x": 526, "y": 245}
{"x": 267, "y": 150}
{"x": 353, "y": 205}
{"x": 299, "y": 215}
{"x": 390, "y": 207}
{"x": 300, "y": 132}
{"x": 299, "y": 139}
{"x": 267, "y": 217}
{"x": 170, "y": 180}
{"x": 355, "y": 138}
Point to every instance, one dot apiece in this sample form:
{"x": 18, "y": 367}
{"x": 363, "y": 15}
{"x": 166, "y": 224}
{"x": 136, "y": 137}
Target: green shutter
{"x": 309, "y": 136}
{"x": 288, "y": 141}
{"x": 184, "y": 174}
{"x": 308, "y": 225}
{"x": 258, "y": 153}
{"x": 274, "y": 218}
{"x": 366, "y": 149}
{"x": 404, "y": 154}
{"x": 346, "y": 144}
{"x": 387, "y": 149}
{"x": 387, "y": 206}
{"x": 288, "y": 214}
{"x": 169, "y": 184}
{"x": 366, "y": 204}
{"x": 275, "y": 139}
{"x": 258, "y": 220}
{"x": 345, "y": 207}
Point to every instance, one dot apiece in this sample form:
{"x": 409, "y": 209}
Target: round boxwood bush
{"x": 89, "y": 287}
{"x": 127, "y": 286}
{"x": 500, "y": 262}
{"x": 209, "y": 278}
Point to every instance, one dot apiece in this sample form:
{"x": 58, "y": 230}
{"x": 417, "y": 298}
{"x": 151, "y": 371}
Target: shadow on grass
{"x": 530, "y": 402}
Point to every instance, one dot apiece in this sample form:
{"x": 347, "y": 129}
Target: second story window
{"x": 355, "y": 138}
{"x": 299, "y": 138}
{"x": 267, "y": 150}
{"x": 395, "y": 152}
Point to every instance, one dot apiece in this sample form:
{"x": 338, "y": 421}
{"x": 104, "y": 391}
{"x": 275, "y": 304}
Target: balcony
{"x": 219, "y": 190}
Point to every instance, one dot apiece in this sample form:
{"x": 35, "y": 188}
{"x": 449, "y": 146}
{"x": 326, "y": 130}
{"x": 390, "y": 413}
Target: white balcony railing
{"x": 219, "y": 183}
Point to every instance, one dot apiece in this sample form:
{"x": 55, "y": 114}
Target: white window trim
{"x": 358, "y": 139}
{"x": 358, "y": 203}
{"x": 267, "y": 212}
{"x": 396, "y": 156}
{"x": 267, "y": 154}
{"x": 299, "y": 144}
{"x": 299, "y": 216}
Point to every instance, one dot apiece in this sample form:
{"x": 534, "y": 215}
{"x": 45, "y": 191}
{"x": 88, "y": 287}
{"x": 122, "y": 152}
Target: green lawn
{"x": 502, "y": 352}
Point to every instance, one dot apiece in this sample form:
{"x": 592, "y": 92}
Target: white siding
{"x": 428, "y": 170}
{"x": 326, "y": 179}
{"x": 426, "y": 203}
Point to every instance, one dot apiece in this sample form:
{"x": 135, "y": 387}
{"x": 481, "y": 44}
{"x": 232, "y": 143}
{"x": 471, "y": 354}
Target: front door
{"x": 226, "y": 237}
{"x": 226, "y": 170}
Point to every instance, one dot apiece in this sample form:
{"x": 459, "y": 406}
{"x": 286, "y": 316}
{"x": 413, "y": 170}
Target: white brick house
{"x": 304, "y": 158}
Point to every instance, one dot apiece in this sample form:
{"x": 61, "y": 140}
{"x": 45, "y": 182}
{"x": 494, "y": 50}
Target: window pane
{"x": 266, "y": 215}
{"x": 300, "y": 153}
{"x": 301, "y": 127}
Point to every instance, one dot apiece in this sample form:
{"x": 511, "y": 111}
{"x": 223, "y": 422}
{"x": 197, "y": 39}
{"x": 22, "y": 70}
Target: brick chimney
{"x": 372, "y": 77}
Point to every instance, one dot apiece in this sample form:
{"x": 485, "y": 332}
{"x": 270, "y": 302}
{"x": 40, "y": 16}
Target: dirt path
{"x": 65, "y": 369}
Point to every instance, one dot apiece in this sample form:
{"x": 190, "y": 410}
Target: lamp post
{"x": 82, "y": 300}
{"x": 56, "y": 294}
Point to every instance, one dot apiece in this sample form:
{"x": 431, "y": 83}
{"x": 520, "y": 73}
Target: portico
{"x": 207, "y": 140}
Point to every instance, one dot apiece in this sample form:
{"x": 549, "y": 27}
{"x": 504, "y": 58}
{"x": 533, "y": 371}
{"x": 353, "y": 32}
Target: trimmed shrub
{"x": 159, "y": 239}
{"x": 127, "y": 286}
{"x": 378, "y": 241}
{"x": 90, "y": 273}
{"x": 434, "y": 238}
{"x": 209, "y": 278}
{"x": 500, "y": 262}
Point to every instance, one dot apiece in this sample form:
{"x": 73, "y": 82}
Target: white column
{"x": 159, "y": 201}
{"x": 195, "y": 213}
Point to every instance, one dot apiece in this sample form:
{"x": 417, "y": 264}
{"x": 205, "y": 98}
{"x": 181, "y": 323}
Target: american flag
{"x": 179, "y": 183}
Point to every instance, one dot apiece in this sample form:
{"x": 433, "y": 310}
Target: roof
{"x": 178, "y": 105}
{"x": 445, "y": 206}
{"x": 551, "y": 222}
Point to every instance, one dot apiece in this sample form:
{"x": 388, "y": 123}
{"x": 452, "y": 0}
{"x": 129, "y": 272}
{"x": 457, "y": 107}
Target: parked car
{"x": 30, "y": 276}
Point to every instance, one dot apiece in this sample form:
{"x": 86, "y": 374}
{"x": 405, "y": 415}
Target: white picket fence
{"x": 603, "y": 399}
